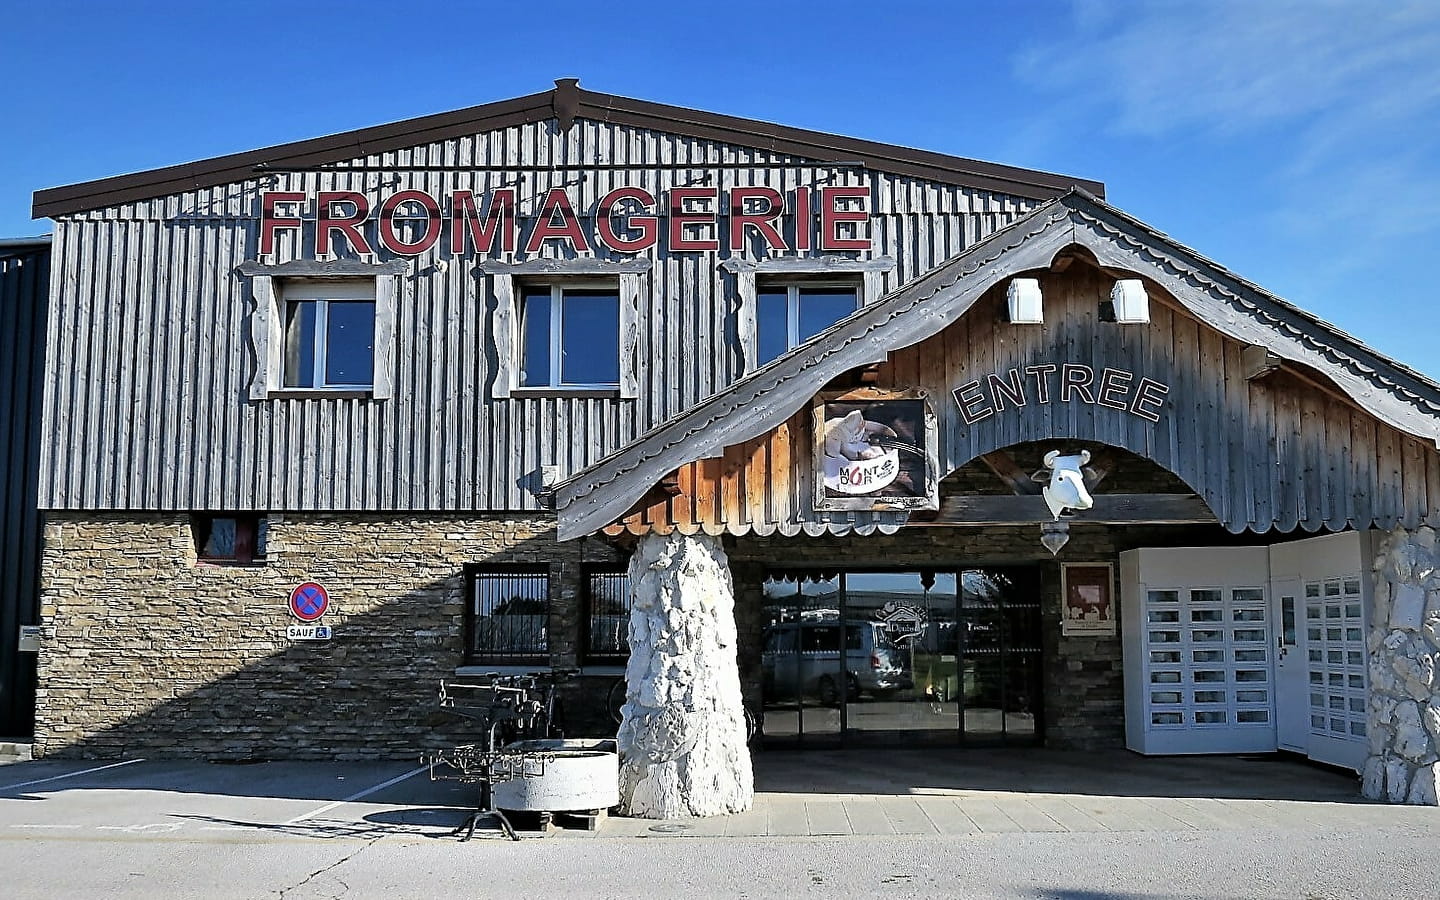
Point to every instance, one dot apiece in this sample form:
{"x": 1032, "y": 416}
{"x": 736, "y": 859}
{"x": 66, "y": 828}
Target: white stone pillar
{"x": 682, "y": 735}
{"x": 1404, "y": 645}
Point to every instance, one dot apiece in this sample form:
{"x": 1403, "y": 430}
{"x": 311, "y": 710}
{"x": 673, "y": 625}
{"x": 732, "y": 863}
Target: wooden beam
{"x": 1109, "y": 509}
{"x": 1101, "y": 464}
{"x": 1008, "y": 471}
{"x": 1257, "y": 361}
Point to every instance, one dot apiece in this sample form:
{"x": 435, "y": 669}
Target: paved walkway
{"x": 958, "y": 792}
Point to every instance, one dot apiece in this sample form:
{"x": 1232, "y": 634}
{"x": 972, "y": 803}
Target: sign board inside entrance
{"x": 1088, "y": 608}
{"x": 309, "y": 602}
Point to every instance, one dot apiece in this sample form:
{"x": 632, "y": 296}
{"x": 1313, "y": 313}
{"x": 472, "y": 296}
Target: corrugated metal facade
{"x": 145, "y": 400}
{"x": 24, "y": 277}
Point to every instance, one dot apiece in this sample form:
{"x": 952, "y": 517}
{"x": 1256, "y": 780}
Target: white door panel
{"x": 1292, "y": 717}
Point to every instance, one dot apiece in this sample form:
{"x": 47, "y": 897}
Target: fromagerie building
{"x": 890, "y": 447}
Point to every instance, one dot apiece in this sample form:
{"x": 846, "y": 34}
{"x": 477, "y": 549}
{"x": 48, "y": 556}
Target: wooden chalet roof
{"x": 1392, "y": 393}
{"x": 566, "y": 102}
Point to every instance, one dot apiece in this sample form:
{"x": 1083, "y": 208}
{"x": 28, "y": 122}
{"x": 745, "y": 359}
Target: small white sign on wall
{"x": 29, "y": 639}
{"x": 309, "y": 632}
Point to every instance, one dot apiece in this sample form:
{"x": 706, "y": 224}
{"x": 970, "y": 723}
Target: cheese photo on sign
{"x": 871, "y": 453}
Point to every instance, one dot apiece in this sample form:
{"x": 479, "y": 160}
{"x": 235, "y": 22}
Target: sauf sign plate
{"x": 309, "y": 632}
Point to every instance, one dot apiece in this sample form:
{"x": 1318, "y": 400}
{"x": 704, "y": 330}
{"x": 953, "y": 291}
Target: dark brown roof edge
{"x": 892, "y": 158}
{"x": 565, "y": 101}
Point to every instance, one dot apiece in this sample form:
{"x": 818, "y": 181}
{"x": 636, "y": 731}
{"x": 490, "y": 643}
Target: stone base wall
{"x": 147, "y": 652}
{"x": 1403, "y": 765}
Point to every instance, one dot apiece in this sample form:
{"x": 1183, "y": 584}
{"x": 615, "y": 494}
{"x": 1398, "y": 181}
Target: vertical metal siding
{"x": 145, "y": 388}
{"x": 24, "y": 282}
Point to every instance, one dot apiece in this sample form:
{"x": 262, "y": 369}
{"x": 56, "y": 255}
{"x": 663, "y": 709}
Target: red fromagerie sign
{"x": 626, "y": 220}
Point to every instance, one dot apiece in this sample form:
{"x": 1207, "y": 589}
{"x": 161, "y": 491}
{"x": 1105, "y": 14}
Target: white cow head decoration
{"x": 1065, "y": 482}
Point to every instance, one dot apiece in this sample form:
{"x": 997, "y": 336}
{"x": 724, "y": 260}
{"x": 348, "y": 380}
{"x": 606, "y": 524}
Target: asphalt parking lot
{"x": 982, "y": 823}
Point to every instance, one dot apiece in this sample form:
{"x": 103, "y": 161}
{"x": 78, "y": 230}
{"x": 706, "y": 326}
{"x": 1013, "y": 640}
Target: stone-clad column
{"x": 682, "y": 738}
{"x": 1404, "y": 644}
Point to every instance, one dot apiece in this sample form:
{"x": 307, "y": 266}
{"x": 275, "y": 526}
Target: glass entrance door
{"x": 1001, "y": 681}
{"x": 902, "y": 656}
{"x": 801, "y": 662}
{"x": 901, "y": 645}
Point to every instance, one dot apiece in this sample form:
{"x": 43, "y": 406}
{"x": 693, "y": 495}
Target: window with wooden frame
{"x": 781, "y": 303}
{"x": 323, "y": 327}
{"x": 790, "y": 311}
{"x": 507, "y": 615}
{"x": 229, "y": 538}
{"x": 566, "y": 326}
{"x": 607, "y": 618}
{"x": 570, "y": 335}
{"x": 329, "y": 335}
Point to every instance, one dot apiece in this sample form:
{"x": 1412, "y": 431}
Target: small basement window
{"x": 229, "y": 539}
{"x": 330, "y": 334}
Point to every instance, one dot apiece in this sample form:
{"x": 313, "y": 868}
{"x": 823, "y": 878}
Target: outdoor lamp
{"x": 1026, "y": 307}
{"x": 1132, "y": 304}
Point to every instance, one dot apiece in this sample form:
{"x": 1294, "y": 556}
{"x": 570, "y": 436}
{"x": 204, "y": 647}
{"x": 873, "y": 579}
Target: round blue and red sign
{"x": 309, "y": 602}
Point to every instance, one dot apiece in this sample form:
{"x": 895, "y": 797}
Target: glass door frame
{"x": 849, "y": 736}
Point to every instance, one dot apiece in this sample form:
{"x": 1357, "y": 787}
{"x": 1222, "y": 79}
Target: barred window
{"x": 507, "y": 614}
{"x": 607, "y": 617}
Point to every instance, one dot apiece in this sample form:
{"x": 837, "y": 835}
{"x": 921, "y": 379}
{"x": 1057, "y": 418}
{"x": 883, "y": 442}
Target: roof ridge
{"x": 565, "y": 102}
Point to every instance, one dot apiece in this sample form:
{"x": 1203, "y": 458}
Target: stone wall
{"x": 1403, "y": 765}
{"x": 147, "y": 652}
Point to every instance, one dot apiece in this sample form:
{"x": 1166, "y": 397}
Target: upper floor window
{"x": 323, "y": 326}
{"x": 566, "y": 326}
{"x": 329, "y": 334}
{"x": 570, "y": 335}
{"x": 789, "y": 313}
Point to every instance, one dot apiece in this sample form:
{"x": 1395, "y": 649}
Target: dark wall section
{"x": 24, "y": 286}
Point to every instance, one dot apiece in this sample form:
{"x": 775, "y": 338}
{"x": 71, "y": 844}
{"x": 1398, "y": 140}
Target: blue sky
{"x": 1296, "y": 143}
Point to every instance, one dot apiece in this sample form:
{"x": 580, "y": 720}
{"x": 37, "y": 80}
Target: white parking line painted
{"x": 353, "y": 797}
{"x": 10, "y": 787}
{"x": 151, "y": 827}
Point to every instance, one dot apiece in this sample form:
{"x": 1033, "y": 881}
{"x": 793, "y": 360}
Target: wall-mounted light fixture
{"x": 1026, "y": 307}
{"x": 1132, "y": 304}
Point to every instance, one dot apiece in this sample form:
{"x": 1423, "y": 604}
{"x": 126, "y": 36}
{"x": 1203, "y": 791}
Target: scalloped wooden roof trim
{"x": 1237, "y": 308}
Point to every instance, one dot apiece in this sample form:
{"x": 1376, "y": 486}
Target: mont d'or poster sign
{"x": 626, "y": 220}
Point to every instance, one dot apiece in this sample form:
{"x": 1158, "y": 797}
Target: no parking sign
{"x": 309, "y": 602}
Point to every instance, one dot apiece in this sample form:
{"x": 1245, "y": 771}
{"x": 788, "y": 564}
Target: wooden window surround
{"x": 507, "y": 280}
{"x": 868, "y": 273}
{"x": 269, "y": 286}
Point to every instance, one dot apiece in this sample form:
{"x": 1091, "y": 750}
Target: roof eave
{"x": 565, "y": 102}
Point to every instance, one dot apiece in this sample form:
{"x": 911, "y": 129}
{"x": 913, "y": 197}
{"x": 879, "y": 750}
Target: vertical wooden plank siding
{"x": 152, "y": 359}
{"x": 1278, "y": 452}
